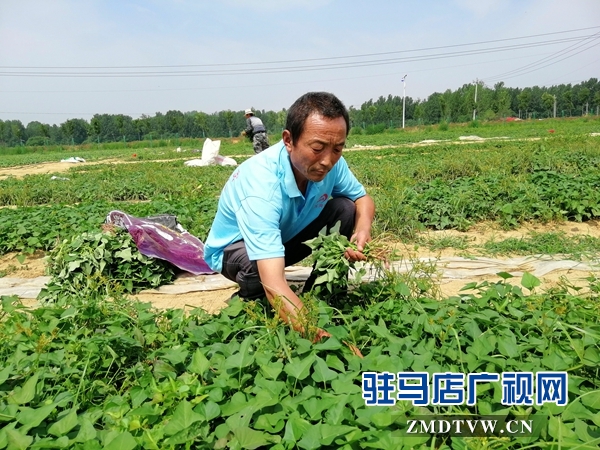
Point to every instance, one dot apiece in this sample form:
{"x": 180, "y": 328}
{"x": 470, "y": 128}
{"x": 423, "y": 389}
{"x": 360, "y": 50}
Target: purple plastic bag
{"x": 156, "y": 240}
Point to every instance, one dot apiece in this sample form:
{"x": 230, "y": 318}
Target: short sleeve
{"x": 346, "y": 184}
{"x": 258, "y": 221}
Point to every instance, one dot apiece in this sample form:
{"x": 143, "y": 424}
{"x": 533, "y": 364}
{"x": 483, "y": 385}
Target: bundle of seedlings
{"x": 102, "y": 263}
{"x": 333, "y": 274}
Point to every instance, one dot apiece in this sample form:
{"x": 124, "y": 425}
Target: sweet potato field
{"x": 92, "y": 369}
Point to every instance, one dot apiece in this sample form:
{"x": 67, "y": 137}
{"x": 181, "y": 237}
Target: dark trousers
{"x": 239, "y": 268}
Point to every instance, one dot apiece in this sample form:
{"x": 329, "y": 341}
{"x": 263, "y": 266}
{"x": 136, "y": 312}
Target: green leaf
{"x": 123, "y": 441}
{"x": 556, "y": 362}
{"x": 61, "y": 442}
{"x": 271, "y": 370}
{"x": 73, "y": 265}
{"x": 295, "y": 428}
{"x": 249, "y": 438}
{"x": 529, "y": 281}
{"x": 335, "y": 363}
{"x": 65, "y": 424}
{"x": 86, "y": 432}
{"x": 243, "y": 358}
{"x": 591, "y": 399}
{"x": 591, "y": 357}
{"x": 211, "y": 410}
{"x": 329, "y": 432}
{"x": 507, "y": 345}
{"x": 300, "y": 368}
{"x": 26, "y": 393}
{"x": 17, "y": 441}
{"x": 31, "y": 417}
{"x": 176, "y": 355}
{"x": 505, "y": 275}
{"x": 311, "y": 439}
{"x": 402, "y": 289}
{"x": 199, "y": 363}
{"x": 124, "y": 254}
{"x": 5, "y": 373}
{"x": 334, "y": 415}
{"x": 323, "y": 373}
{"x": 560, "y": 430}
{"x": 183, "y": 417}
{"x": 328, "y": 344}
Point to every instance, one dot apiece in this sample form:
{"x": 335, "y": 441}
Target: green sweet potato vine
{"x": 103, "y": 262}
{"x": 332, "y": 269}
{"x": 110, "y": 373}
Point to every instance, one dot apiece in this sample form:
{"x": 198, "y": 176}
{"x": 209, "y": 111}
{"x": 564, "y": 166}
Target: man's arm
{"x": 249, "y": 127}
{"x": 282, "y": 298}
{"x": 365, "y": 213}
{"x": 285, "y": 301}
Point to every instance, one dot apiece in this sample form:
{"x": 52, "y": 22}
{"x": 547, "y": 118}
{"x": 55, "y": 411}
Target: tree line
{"x": 471, "y": 100}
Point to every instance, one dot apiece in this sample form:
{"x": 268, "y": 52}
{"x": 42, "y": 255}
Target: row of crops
{"x": 92, "y": 369}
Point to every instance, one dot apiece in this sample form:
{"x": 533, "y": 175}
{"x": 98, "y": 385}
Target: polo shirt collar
{"x": 291, "y": 186}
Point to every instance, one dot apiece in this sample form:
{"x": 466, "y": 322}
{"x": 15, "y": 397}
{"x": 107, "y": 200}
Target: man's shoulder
{"x": 263, "y": 170}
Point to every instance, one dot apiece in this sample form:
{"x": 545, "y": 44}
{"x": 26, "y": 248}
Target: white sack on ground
{"x": 210, "y": 156}
{"x": 73, "y": 159}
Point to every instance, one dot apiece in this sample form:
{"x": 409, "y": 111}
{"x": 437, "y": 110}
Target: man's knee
{"x": 239, "y": 268}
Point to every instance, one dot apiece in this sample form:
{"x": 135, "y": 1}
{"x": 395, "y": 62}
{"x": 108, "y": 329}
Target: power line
{"x": 303, "y": 60}
{"x": 536, "y": 65}
{"x": 296, "y": 68}
{"x": 238, "y": 86}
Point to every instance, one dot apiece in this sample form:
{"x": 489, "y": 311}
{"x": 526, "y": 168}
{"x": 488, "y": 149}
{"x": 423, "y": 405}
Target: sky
{"x": 66, "y": 59}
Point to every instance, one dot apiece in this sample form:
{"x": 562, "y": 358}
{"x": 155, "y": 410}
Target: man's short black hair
{"x": 323, "y": 104}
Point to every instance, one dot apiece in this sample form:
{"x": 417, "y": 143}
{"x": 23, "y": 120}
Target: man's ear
{"x": 287, "y": 140}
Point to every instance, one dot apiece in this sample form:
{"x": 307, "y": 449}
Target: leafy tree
{"x": 76, "y": 130}
{"x": 583, "y": 97}
{"x": 174, "y": 122}
{"x": 548, "y": 102}
{"x": 524, "y": 99}
{"x": 202, "y": 122}
{"x": 229, "y": 116}
{"x": 568, "y": 100}
{"x": 597, "y": 101}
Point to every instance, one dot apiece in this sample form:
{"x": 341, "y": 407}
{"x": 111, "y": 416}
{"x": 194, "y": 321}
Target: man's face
{"x": 317, "y": 149}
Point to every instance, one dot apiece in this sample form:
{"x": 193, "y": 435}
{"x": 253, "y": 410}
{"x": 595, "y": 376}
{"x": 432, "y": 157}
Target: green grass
{"x": 549, "y": 243}
{"x": 442, "y": 186}
{"x": 444, "y": 242}
{"x": 91, "y": 371}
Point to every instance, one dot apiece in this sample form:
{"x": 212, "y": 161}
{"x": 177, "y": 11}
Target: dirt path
{"x": 59, "y": 167}
{"x": 214, "y": 300}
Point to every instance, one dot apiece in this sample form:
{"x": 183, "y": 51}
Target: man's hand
{"x": 243, "y": 133}
{"x": 360, "y": 238}
{"x": 365, "y": 212}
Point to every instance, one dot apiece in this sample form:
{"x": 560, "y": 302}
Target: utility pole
{"x": 554, "y": 106}
{"x": 475, "y": 106}
{"x": 403, "y": 98}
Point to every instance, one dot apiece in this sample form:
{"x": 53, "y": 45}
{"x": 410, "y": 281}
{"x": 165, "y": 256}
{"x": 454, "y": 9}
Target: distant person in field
{"x": 256, "y": 131}
{"x": 275, "y": 201}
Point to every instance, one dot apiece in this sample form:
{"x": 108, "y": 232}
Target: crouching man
{"x": 275, "y": 201}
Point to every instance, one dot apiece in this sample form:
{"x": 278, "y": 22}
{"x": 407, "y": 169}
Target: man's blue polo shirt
{"x": 262, "y": 205}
